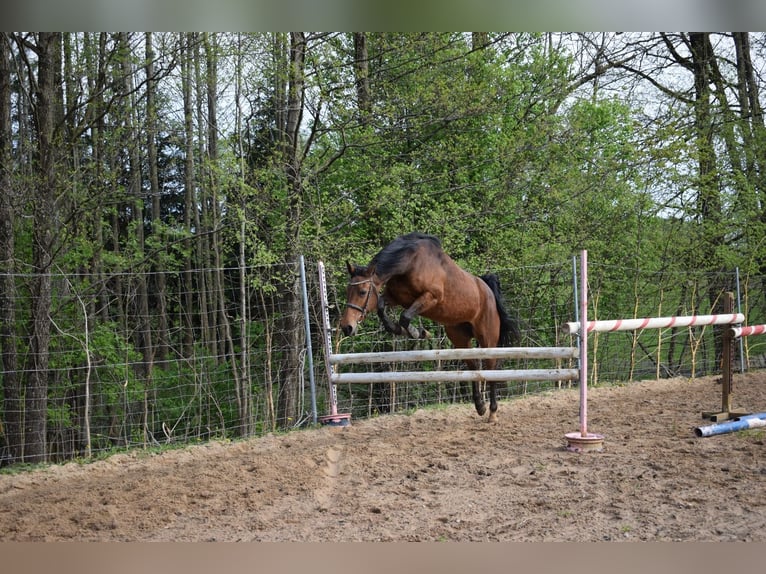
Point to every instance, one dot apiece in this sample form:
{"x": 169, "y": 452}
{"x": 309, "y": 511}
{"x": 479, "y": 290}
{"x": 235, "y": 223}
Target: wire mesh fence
{"x": 186, "y": 363}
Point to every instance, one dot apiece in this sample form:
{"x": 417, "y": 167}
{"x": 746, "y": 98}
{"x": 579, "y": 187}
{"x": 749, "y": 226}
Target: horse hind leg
{"x": 461, "y": 336}
{"x": 489, "y": 364}
{"x": 492, "y": 402}
{"x": 478, "y": 401}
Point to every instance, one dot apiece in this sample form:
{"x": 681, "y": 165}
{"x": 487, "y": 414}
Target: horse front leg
{"x": 422, "y": 303}
{"x": 408, "y": 329}
{"x": 403, "y": 327}
{"x": 388, "y": 324}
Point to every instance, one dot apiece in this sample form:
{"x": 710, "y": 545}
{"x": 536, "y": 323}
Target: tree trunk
{"x": 218, "y": 287}
{"x": 288, "y": 407}
{"x": 44, "y": 111}
{"x": 160, "y": 296}
{"x": 12, "y": 393}
{"x": 244, "y": 396}
{"x": 143, "y": 335}
{"x": 753, "y": 133}
{"x": 710, "y": 209}
{"x": 362, "y": 74}
{"x": 190, "y": 207}
{"x": 709, "y": 199}
{"x": 479, "y": 40}
{"x": 202, "y": 219}
{"x": 96, "y": 105}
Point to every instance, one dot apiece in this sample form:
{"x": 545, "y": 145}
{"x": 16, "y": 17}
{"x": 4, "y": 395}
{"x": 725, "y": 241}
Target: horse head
{"x": 361, "y": 297}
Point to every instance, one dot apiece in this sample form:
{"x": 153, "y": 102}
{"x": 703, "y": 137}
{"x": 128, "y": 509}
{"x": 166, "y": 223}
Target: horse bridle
{"x": 363, "y": 309}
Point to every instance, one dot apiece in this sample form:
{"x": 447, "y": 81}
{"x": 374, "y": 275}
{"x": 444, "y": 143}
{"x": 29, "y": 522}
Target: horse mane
{"x": 509, "y": 327}
{"x": 394, "y": 258}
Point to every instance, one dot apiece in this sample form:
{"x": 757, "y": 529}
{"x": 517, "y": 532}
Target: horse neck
{"x": 378, "y": 282}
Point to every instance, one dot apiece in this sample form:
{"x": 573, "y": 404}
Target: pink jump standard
{"x": 584, "y": 441}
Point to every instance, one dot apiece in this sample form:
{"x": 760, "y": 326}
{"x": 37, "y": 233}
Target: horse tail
{"x": 510, "y": 334}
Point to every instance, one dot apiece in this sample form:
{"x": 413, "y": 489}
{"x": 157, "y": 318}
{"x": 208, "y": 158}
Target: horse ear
{"x": 350, "y": 268}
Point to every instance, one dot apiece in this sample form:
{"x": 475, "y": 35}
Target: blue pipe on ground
{"x": 740, "y": 423}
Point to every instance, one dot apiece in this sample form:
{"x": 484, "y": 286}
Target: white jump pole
{"x": 584, "y": 441}
{"x": 454, "y": 376}
{"x": 419, "y": 355}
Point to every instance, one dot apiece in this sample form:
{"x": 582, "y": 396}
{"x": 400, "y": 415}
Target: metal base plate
{"x": 577, "y": 442}
{"x": 337, "y": 420}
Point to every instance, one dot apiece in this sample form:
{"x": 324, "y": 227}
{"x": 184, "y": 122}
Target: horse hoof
{"x": 492, "y": 418}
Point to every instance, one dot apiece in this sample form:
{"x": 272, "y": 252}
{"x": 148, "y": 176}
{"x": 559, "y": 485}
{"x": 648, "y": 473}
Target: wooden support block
{"x": 723, "y": 416}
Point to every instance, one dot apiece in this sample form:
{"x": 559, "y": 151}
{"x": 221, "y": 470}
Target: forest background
{"x": 158, "y": 190}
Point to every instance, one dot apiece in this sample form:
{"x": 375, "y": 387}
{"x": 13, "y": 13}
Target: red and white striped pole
{"x": 747, "y": 331}
{"x": 656, "y": 323}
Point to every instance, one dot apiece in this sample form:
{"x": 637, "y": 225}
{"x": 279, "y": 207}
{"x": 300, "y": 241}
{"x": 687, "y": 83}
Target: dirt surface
{"x": 442, "y": 474}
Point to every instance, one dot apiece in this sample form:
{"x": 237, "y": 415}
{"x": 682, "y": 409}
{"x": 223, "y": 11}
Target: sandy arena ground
{"x": 434, "y": 475}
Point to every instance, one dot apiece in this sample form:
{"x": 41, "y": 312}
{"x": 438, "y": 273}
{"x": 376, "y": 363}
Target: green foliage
{"x": 455, "y": 158}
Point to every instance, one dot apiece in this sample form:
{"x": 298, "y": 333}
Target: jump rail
{"x": 452, "y": 376}
{"x": 656, "y": 323}
{"x": 737, "y": 332}
{"x": 455, "y": 354}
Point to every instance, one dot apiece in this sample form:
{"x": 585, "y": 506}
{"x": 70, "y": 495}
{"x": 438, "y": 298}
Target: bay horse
{"x": 415, "y": 273}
